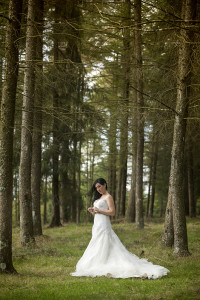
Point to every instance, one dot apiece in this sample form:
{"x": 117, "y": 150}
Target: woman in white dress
{"x": 105, "y": 254}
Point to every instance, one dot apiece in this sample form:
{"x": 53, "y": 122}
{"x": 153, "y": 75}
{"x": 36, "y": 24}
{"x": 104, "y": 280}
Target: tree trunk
{"x": 177, "y": 159}
{"x": 37, "y": 129}
{"x": 112, "y": 154}
{"x": 74, "y": 179}
{"x": 140, "y": 117}
{"x": 149, "y": 188}
{"x": 185, "y": 186}
{"x": 78, "y": 202}
{"x": 16, "y": 198}
{"x": 26, "y": 221}
{"x": 168, "y": 236}
{"x": 1, "y": 78}
{"x": 55, "y": 221}
{"x": 121, "y": 194}
{"x": 65, "y": 199}
{"x": 154, "y": 166}
{"x": 130, "y": 211}
{"x": 92, "y": 159}
{"x": 112, "y": 140}
{"x": 190, "y": 180}
{"x": 6, "y": 135}
{"x": 45, "y": 201}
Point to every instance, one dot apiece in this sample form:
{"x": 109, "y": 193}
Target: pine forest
{"x": 98, "y": 89}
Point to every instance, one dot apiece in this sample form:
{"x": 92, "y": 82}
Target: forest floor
{"x": 44, "y": 270}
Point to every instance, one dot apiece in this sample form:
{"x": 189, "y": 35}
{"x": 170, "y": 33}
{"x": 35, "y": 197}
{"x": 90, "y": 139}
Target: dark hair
{"x": 93, "y": 192}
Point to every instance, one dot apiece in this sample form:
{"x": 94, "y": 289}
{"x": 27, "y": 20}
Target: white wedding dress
{"x": 107, "y": 256}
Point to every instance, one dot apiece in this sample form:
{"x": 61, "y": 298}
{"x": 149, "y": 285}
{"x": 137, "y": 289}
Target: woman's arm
{"x": 111, "y": 208}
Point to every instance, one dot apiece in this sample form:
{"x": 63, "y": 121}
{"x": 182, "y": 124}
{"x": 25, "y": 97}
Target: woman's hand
{"x": 91, "y": 210}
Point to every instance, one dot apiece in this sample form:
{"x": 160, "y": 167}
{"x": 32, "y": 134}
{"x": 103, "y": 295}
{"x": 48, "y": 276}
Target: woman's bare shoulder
{"x": 109, "y": 197}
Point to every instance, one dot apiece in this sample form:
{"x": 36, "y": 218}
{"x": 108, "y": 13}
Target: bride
{"x": 105, "y": 254}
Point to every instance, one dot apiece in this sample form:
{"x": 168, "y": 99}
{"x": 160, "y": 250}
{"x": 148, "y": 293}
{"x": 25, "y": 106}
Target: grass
{"x": 44, "y": 270}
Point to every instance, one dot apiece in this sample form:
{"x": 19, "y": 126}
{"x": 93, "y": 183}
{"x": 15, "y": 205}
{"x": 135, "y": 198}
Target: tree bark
{"x": 45, "y": 201}
{"x": 123, "y": 154}
{"x": 1, "y": 78}
{"x": 78, "y": 199}
{"x": 149, "y": 188}
{"x": 190, "y": 179}
{"x": 168, "y": 236}
{"x": 6, "y": 135}
{"x": 140, "y": 116}
{"x": 177, "y": 158}
{"x": 185, "y": 186}
{"x": 65, "y": 186}
{"x": 112, "y": 140}
{"x": 74, "y": 179}
{"x": 26, "y": 221}
{"x": 112, "y": 154}
{"x": 37, "y": 128}
{"x": 130, "y": 211}
{"x": 55, "y": 221}
{"x": 154, "y": 167}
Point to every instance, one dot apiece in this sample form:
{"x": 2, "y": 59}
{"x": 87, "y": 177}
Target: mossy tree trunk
{"x": 176, "y": 192}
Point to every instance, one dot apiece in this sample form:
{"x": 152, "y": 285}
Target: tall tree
{"x": 176, "y": 192}
{"x": 6, "y": 134}
{"x": 130, "y": 211}
{"x": 55, "y": 221}
{"x": 122, "y": 177}
{"x": 37, "y": 127}
{"x": 140, "y": 117}
{"x": 26, "y": 221}
{"x": 112, "y": 136}
{"x": 112, "y": 153}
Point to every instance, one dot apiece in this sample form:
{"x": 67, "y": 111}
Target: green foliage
{"x": 88, "y": 80}
{"x": 44, "y": 270}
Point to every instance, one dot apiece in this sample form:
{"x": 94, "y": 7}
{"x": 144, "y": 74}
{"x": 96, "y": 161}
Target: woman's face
{"x": 100, "y": 188}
